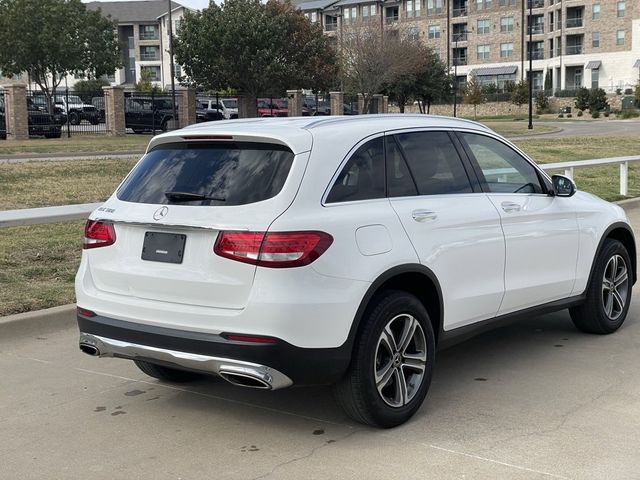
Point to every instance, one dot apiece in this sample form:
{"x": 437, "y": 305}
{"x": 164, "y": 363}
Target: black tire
{"x": 74, "y": 118}
{"x": 94, "y": 121}
{"x": 53, "y": 135}
{"x": 593, "y": 315}
{"x": 166, "y": 374}
{"x": 138, "y": 130}
{"x": 357, "y": 393}
{"x": 165, "y": 125}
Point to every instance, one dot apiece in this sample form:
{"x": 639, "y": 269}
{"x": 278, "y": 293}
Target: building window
{"x": 484, "y": 26}
{"x": 177, "y": 71}
{"x": 330, "y": 23}
{"x": 373, "y": 10}
{"x": 506, "y": 24}
{"x": 177, "y": 24}
{"x": 350, "y": 15}
{"x": 154, "y": 72}
{"x": 434, "y": 31}
{"x": 391, "y": 15}
{"x": 365, "y": 11}
{"x": 314, "y": 17}
{"x": 621, "y": 8}
{"x": 620, "y": 37}
{"x": 595, "y": 11}
{"x": 509, "y": 3}
{"x": 413, "y": 34}
{"x": 148, "y": 32}
{"x": 479, "y": 4}
{"x": 434, "y": 7}
{"x": 484, "y": 52}
{"x": 595, "y": 78}
{"x": 595, "y": 39}
{"x": 506, "y": 50}
{"x": 412, "y": 8}
{"x": 149, "y": 53}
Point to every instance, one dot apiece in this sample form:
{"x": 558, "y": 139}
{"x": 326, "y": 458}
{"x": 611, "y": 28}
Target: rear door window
{"x": 362, "y": 178}
{"x": 434, "y": 163}
{"x": 208, "y": 174}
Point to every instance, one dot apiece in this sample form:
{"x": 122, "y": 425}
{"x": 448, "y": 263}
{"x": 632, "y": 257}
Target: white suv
{"x": 342, "y": 250}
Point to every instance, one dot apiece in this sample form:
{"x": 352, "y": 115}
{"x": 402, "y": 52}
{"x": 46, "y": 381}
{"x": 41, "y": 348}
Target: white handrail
{"x": 35, "y": 216}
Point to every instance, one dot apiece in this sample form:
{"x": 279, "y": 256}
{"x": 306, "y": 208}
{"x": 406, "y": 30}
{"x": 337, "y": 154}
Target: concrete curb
{"x": 38, "y": 321}
{"x": 68, "y": 157}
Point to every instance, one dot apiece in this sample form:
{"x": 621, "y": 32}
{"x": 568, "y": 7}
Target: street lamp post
{"x": 172, "y": 68}
{"x": 530, "y": 49}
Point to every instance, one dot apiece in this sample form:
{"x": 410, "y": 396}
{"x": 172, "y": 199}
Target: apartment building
{"x": 573, "y": 43}
{"x": 143, "y": 30}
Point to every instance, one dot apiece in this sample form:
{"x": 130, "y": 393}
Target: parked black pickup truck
{"x": 41, "y": 123}
{"x": 143, "y": 114}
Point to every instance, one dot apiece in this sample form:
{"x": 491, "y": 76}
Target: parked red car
{"x": 273, "y": 107}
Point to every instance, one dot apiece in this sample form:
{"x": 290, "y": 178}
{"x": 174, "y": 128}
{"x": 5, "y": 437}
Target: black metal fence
{"x": 3, "y": 118}
{"x": 151, "y": 112}
{"x": 67, "y": 112}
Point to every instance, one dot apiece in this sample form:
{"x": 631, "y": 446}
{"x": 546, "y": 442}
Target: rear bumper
{"x": 277, "y": 365}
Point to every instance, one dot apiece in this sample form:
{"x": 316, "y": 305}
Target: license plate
{"x": 163, "y": 247}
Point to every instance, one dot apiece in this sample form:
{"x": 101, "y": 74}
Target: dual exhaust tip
{"x": 245, "y": 379}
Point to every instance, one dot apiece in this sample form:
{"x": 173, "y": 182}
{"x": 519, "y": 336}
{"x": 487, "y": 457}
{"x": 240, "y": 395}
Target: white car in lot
{"x": 339, "y": 250}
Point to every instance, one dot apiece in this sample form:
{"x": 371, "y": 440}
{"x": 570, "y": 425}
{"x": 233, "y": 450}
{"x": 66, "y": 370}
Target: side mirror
{"x": 563, "y": 186}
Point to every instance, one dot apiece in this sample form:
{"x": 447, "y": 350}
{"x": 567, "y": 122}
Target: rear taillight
{"x": 273, "y": 249}
{"x": 98, "y": 234}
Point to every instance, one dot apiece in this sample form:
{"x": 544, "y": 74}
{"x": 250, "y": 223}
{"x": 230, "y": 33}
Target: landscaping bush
{"x": 595, "y": 114}
{"x": 569, "y": 115}
{"x": 580, "y": 113}
{"x": 542, "y": 103}
{"x": 626, "y": 114}
{"x": 561, "y": 115}
{"x": 582, "y": 99}
{"x": 606, "y": 114}
{"x": 597, "y": 101}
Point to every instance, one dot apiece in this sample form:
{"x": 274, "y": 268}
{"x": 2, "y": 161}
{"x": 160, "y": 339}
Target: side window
{"x": 362, "y": 178}
{"x": 434, "y": 163}
{"x": 504, "y": 170}
{"x": 399, "y": 180}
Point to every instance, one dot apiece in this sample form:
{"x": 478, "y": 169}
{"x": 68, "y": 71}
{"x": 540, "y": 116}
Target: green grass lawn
{"x": 38, "y": 263}
{"x": 512, "y": 129}
{"x": 76, "y": 144}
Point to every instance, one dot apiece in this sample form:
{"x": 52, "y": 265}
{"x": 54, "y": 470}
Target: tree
{"x": 637, "y": 95}
{"x": 597, "y": 100}
{"x": 548, "y": 82}
{"x": 582, "y": 99}
{"x": 474, "y": 94}
{"x": 256, "y": 48}
{"x": 50, "y": 39}
{"x": 87, "y": 89}
{"x": 425, "y": 83}
{"x": 373, "y": 57}
{"x": 520, "y": 93}
{"x": 144, "y": 85}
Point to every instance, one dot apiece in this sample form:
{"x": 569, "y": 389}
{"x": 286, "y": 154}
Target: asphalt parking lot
{"x": 534, "y": 400}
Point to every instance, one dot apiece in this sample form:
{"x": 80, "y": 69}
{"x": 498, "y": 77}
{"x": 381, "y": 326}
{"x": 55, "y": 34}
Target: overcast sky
{"x": 197, "y": 4}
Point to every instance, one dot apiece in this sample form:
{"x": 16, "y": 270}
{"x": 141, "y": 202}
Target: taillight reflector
{"x": 250, "y": 338}
{"x": 83, "y": 312}
{"x": 273, "y": 249}
{"x": 98, "y": 234}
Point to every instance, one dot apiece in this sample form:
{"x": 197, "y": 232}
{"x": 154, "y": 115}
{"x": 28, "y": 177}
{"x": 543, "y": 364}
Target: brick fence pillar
{"x": 376, "y": 106}
{"x": 385, "y": 104}
{"x": 114, "y": 111}
{"x": 16, "y": 116}
{"x": 186, "y": 107}
{"x": 336, "y": 103}
{"x": 295, "y": 98}
{"x": 247, "y": 106}
{"x": 361, "y": 104}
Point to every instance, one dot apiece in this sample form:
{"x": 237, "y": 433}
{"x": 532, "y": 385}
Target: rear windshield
{"x": 224, "y": 173}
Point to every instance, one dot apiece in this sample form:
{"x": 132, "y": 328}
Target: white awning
{"x": 490, "y": 71}
{"x": 593, "y": 65}
{"x": 637, "y": 64}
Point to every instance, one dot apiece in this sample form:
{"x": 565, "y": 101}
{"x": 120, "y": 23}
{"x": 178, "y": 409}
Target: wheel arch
{"x": 412, "y": 278}
{"x": 622, "y": 232}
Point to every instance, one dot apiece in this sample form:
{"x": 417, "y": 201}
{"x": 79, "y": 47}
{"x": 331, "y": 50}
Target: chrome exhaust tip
{"x": 90, "y": 349}
{"x": 248, "y": 380}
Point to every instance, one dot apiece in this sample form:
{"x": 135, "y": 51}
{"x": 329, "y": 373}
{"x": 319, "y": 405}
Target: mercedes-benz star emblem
{"x": 160, "y": 213}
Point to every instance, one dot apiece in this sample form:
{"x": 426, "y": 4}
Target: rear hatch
{"x": 169, "y": 211}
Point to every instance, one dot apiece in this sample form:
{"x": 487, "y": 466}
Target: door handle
{"x": 511, "y": 207}
{"x": 423, "y": 215}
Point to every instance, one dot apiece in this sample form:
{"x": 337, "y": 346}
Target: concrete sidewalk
{"x": 58, "y": 157}
{"x": 534, "y": 400}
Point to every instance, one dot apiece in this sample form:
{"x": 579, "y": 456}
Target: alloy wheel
{"x": 400, "y": 360}
{"x": 615, "y": 287}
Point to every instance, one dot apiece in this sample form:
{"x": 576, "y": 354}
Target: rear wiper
{"x": 189, "y": 196}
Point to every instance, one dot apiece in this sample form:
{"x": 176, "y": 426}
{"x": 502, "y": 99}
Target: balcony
{"x": 575, "y": 49}
{"x": 460, "y": 60}
{"x": 149, "y": 57}
{"x": 460, "y": 12}
{"x": 575, "y": 22}
{"x": 460, "y": 37}
{"x": 535, "y": 4}
{"x": 391, "y": 19}
{"x": 330, "y": 27}
{"x": 536, "y": 29}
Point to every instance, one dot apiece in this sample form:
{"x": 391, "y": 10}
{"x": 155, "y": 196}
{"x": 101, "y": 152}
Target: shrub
{"x": 628, "y": 91}
{"x": 520, "y": 94}
{"x": 582, "y": 99}
{"x": 595, "y": 114}
{"x": 606, "y": 114}
{"x": 561, "y": 115}
{"x": 597, "y": 100}
{"x": 87, "y": 89}
{"x": 618, "y": 91}
{"x": 569, "y": 115}
{"x": 626, "y": 114}
{"x": 637, "y": 95}
{"x": 580, "y": 113}
{"x": 542, "y": 103}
